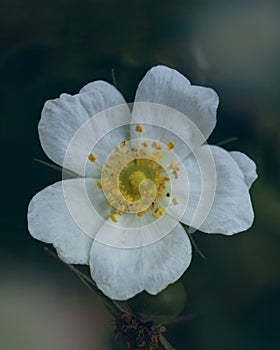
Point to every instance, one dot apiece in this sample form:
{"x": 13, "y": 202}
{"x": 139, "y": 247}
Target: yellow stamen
{"x": 156, "y": 146}
{"x": 158, "y": 213}
{"x": 113, "y": 218}
{"x": 128, "y": 166}
{"x": 174, "y": 200}
{"x": 173, "y": 166}
{"x": 138, "y": 128}
{"x": 91, "y": 158}
{"x": 170, "y": 145}
{"x": 145, "y": 144}
{"x": 161, "y": 211}
{"x": 118, "y": 212}
{"x": 141, "y": 213}
{"x": 109, "y": 165}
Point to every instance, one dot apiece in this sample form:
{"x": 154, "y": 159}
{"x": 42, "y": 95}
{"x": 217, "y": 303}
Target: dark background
{"x": 55, "y": 46}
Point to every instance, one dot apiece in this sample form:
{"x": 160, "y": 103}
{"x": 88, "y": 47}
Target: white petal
{"x": 166, "y": 86}
{"x": 247, "y": 166}
{"x": 50, "y": 221}
{"x": 231, "y": 211}
{"x": 62, "y": 117}
{"x": 86, "y": 204}
{"x": 195, "y": 192}
{"x": 131, "y": 231}
{"x": 122, "y": 273}
{"x": 162, "y": 123}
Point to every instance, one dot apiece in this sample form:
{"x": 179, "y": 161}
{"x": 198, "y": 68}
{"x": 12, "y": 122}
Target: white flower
{"x": 139, "y": 174}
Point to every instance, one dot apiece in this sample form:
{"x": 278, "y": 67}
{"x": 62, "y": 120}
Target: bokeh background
{"x": 55, "y": 46}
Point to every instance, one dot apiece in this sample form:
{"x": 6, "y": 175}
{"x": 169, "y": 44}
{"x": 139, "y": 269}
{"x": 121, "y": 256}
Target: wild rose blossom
{"x": 139, "y": 170}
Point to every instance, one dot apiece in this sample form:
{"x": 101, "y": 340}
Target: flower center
{"x": 133, "y": 174}
{"x": 135, "y": 178}
{"x": 134, "y": 181}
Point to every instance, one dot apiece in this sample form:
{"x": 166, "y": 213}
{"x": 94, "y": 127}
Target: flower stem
{"x": 182, "y": 319}
{"x": 165, "y": 343}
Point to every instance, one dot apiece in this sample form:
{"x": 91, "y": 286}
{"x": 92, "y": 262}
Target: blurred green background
{"x": 58, "y": 46}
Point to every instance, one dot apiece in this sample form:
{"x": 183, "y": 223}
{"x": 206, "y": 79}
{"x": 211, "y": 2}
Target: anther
{"x": 113, "y": 218}
{"x": 170, "y": 145}
{"x": 156, "y": 145}
{"x": 117, "y": 212}
{"x": 173, "y": 166}
{"x": 145, "y": 144}
{"x": 141, "y": 213}
{"x": 138, "y": 128}
{"x": 91, "y": 158}
{"x": 158, "y": 213}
